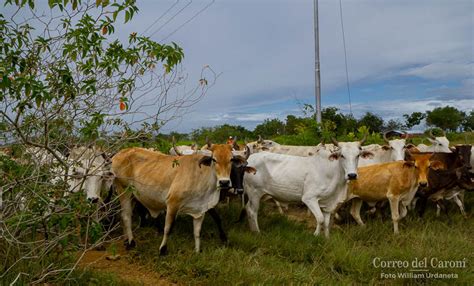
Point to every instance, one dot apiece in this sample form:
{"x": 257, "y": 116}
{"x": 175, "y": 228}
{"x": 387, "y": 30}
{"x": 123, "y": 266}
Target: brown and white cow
{"x": 187, "y": 184}
{"x": 395, "y": 181}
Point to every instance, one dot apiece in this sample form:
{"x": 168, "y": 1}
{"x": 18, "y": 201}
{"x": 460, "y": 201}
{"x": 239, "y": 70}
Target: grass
{"x": 286, "y": 252}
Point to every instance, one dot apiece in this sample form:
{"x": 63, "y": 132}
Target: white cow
{"x": 319, "y": 181}
{"x": 393, "y": 151}
{"x": 261, "y": 145}
{"x": 438, "y": 144}
{"x": 89, "y": 171}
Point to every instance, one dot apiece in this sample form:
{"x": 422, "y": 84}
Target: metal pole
{"x": 317, "y": 75}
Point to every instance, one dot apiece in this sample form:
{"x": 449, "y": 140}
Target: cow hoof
{"x": 163, "y": 250}
{"x": 130, "y": 245}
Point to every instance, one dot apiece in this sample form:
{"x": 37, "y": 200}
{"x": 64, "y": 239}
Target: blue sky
{"x": 403, "y": 56}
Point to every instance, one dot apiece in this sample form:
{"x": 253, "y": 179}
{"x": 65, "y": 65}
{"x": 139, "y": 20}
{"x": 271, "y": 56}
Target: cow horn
{"x": 260, "y": 140}
{"x": 174, "y": 147}
{"x": 363, "y": 139}
{"x": 385, "y": 136}
{"x": 247, "y": 151}
{"x": 235, "y": 145}
{"x": 208, "y": 141}
{"x": 444, "y": 133}
{"x": 334, "y": 141}
{"x": 431, "y": 134}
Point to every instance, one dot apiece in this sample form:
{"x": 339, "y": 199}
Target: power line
{"x": 162, "y": 15}
{"x": 189, "y": 20}
{"x": 170, "y": 19}
{"x": 345, "y": 57}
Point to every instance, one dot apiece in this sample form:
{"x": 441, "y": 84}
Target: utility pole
{"x": 317, "y": 74}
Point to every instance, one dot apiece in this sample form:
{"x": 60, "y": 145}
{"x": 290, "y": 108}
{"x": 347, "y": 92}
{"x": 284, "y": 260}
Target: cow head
{"x": 238, "y": 171}
{"x": 261, "y": 145}
{"x": 89, "y": 172}
{"x": 222, "y": 159}
{"x": 396, "y": 147}
{"x": 440, "y": 144}
{"x": 421, "y": 162}
{"x": 348, "y": 154}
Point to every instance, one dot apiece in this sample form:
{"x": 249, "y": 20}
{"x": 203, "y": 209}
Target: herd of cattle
{"x": 324, "y": 177}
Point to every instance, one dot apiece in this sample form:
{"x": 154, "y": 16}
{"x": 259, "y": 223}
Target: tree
{"x": 468, "y": 122}
{"x": 393, "y": 124}
{"x": 411, "y": 120}
{"x": 219, "y": 134}
{"x": 292, "y": 123}
{"x": 372, "y": 121}
{"x": 446, "y": 118}
{"x": 270, "y": 128}
{"x": 65, "y": 79}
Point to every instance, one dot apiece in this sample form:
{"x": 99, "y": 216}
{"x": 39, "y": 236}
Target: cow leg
{"x": 422, "y": 201}
{"x": 460, "y": 204}
{"x": 403, "y": 210}
{"x": 313, "y": 205}
{"x": 355, "y": 210}
{"x": 394, "y": 203}
{"x": 438, "y": 210}
{"x": 217, "y": 219}
{"x": 126, "y": 213}
{"x": 327, "y": 222}
{"x": 252, "y": 211}
{"x": 412, "y": 205}
{"x": 277, "y": 203}
{"x": 197, "y": 224}
{"x": 170, "y": 217}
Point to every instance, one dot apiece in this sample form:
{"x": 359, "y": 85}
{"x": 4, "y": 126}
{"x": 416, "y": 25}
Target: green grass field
{"x": 286, "y": 252}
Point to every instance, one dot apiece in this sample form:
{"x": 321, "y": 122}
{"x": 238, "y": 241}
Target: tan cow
{"x": 187, "y": 184}
{"x": 395, "y": 181}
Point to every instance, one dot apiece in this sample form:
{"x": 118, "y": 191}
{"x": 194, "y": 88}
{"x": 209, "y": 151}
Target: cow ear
{"x": 386, "y": 147}
{"x": 108, "y": 175}
{"x": 206, "y": 160}
{"x": 366, "y": 154}
{"x": 437, "y": 165}
{"x": 431, "y": 140}
{"x": 249, "y": 169}
{"x": 334, "y": 156}
{"x": 409, "y": 164}
{"x": 239, "y": 159}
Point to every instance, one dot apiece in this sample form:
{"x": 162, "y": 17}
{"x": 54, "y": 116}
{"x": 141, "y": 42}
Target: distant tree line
{"x": 447, "y": 118}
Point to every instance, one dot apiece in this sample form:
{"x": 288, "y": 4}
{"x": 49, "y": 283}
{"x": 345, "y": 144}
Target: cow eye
{"x": 342, "y": 156}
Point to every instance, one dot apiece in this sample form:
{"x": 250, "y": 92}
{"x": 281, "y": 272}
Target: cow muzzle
{"x": 423, "y": 184}
{"x": 239, "y": 191}
{"x": 224, "y": 184}
{"x": 352, "y": 176}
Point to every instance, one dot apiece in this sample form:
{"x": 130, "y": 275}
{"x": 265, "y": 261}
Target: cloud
{"x": 444, "y": 71}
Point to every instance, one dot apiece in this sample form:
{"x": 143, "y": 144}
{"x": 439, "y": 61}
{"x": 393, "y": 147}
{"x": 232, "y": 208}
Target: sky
{"x": 402, "y": 55}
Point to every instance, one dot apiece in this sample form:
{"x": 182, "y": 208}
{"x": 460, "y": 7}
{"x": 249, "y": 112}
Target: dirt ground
{"x": 126, "y": 271}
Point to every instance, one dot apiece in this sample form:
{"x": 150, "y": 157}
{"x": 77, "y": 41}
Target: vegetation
{"x": 286, "y": 252}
